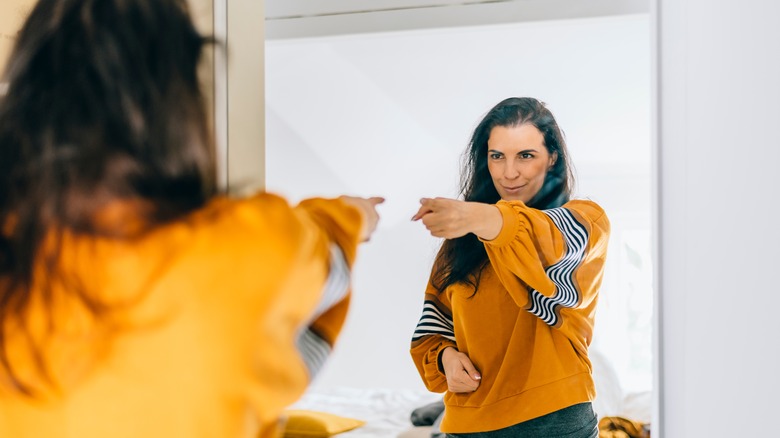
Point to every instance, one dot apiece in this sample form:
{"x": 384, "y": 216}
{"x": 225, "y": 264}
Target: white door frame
{"x": 239, "y": 99}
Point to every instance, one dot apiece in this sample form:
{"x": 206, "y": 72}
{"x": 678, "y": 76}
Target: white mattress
{"x": 385, "y": 411}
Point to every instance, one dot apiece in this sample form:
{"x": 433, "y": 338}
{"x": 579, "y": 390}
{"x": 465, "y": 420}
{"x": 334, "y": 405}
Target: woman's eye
{"x": 495, "y": 156}
{"x": 526, "y": 155}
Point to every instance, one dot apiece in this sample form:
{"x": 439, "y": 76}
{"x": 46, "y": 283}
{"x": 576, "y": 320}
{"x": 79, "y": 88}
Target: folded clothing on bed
{"x": 314, "y": 424}
{"x": 427, "y": 415}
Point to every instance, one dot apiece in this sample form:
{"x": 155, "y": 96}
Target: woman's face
{"x": 518, "y": 161}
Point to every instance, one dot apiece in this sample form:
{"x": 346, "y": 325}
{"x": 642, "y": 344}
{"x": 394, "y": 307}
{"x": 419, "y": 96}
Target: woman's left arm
{"x": 548, "y": 260}
{"x": 452, "y": 218}
{"x": 551, "y": 260}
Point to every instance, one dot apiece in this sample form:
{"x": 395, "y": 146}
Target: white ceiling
{"x": 312, "y": 18}
{"x": 296, "y": 8}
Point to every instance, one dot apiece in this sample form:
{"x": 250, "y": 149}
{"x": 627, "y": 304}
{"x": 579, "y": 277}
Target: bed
{"x": 387, "y": 412}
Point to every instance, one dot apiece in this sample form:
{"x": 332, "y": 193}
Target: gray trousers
{"x": 578, "y": 421}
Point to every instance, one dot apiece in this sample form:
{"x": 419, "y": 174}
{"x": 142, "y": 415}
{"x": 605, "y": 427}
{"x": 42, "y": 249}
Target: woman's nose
{"x": 511, "y": 171}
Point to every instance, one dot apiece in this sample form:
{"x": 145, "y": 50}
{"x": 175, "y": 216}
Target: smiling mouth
{"x": 513, "y": 189}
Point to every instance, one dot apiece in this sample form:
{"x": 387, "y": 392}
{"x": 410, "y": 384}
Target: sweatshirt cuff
{"x": 433, "y": 373}
{"x": 508, "y": 229}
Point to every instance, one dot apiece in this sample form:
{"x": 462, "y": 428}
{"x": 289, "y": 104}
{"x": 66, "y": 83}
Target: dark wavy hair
{"x": 103, "y": 104}
{"x": 461, "y": 260}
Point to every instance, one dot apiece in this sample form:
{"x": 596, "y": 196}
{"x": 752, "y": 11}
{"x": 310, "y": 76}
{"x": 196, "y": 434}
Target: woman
{"x": 135, "y": 300}
{"x": 508, "y": 313}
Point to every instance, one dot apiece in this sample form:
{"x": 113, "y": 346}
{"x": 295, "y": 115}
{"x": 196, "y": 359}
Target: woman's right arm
{"x": 290, "y": 277}
{"x": 434, "y": 350}
{"x": 316, "y": 339}
{"x": 434, "y": 333}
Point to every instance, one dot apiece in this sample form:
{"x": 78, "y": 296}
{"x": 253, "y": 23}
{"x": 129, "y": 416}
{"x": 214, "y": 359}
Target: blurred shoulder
{"x": 262, "y": 217}
{"x": 256, "y": 210}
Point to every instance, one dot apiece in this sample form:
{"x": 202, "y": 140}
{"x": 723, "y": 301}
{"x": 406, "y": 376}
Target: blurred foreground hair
{"x": 103, "y": 105}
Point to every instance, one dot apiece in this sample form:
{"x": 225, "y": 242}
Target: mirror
{"x": 389, "y": 113}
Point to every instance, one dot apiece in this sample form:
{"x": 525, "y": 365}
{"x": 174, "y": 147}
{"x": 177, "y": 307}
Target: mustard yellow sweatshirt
{"x": 217, "y": 322}
{"x": 528, "y": 328}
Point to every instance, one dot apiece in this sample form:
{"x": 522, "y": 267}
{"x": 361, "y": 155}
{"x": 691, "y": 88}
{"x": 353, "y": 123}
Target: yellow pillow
{"x": 313, "y": 424}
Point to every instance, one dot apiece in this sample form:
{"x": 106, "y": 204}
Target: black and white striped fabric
{"x": 314, "y": 349}
{"x": 337, "y": 284}
{"x": 433, "y": 322}
{"x": 562, "y": 273}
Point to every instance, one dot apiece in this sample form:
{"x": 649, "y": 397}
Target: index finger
{"x": 421, "y": 212}
{"x": 470, "y": 370}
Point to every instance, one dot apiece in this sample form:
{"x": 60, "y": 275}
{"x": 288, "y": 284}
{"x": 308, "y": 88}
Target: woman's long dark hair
{"x": 461, "y": 260}
{"x": 103, "y": 104}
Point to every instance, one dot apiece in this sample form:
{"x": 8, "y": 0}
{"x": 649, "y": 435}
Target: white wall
{"x": 389, "y": 114}
{"x": 718, "y": 156}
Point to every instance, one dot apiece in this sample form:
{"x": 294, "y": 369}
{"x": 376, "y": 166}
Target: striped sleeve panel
{"x": 433, "y": 321}
{"x": 566, "y": 294}
{"x": 312, "y": 347}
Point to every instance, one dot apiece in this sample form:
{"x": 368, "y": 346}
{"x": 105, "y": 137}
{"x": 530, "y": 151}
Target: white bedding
{"x": 385, "y": 411}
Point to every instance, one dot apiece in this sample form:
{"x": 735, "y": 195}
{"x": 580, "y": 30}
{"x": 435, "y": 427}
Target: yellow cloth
{"x": 313, "y": 424}
{"x": 206, "y": 312}
{"x": 620, "y": 427}
{"x": 533, "y": 361}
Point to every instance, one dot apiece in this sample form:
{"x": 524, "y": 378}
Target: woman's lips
{"x": 514, "y": 189}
